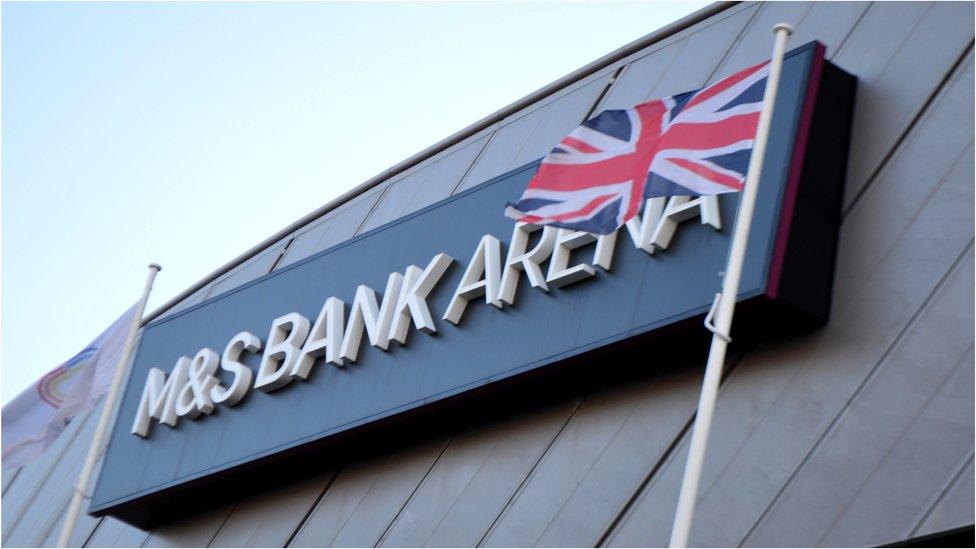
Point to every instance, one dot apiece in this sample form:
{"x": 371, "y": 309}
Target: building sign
{"x": 455, "y": 298}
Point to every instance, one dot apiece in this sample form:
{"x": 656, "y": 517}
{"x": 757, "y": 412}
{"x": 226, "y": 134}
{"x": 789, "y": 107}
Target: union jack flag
{"x": 693, "y": 143}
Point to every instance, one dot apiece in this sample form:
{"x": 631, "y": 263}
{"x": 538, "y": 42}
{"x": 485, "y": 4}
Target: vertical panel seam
{"x": 531, "y": 471}
{"x": 281, "y": 254}
{"x": 894, "y": 444}
{"x": 477, "y": 157}
{"x": 372, "y": 208}
{"x": 91, "y": 534}
{"x": 222, "y": 524}
{"x": 949, "y": 486}
{"x": 311, "y": 509}
{"x": 854, "y": 28}
{"x": 413, "y": 492}
{"x": 606, "y": 89}
{"x": 666, "y": 455}
{"x": 12, "y": 479}
{"x": 736, "y": 42}
{"x": 857, "y": 392}
{"x": 949, "y": 77}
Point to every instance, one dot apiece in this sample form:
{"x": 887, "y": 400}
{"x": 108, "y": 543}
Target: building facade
{"x": 858, "y": 433}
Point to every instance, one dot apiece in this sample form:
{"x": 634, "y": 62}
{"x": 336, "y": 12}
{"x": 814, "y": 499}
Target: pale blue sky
{"x": 185, "y": 133}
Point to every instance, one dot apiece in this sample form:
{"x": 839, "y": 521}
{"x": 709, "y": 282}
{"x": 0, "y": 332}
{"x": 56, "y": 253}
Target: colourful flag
{"x": 35, "y": 418}
{"x": 694, "y": 143}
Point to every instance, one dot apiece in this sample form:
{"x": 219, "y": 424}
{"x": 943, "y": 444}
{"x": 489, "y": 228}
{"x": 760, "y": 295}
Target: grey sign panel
{"x": 147, "y": 480}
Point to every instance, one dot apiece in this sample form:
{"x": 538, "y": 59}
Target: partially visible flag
{"x": 694, "y": 143}
{"x": 36, "y": 417}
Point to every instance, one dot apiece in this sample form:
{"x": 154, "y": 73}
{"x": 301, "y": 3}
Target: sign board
{"x": 453, "y": 299}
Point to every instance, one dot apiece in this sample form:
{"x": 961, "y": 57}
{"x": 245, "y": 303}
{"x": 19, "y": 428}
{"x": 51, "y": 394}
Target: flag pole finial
{"x": 783, "y": 26}
{"x": 156, "y": 267}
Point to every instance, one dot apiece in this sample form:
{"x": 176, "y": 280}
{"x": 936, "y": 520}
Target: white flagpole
{"x": 719, "y": 319}
{"x": 81, "y": 486}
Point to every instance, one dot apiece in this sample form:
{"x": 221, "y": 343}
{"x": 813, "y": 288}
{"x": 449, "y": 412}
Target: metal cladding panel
{"x": 897, "y": 243}
{"x": 598, "y": 460}
{"x": 428, "y": 183}
{"x": 895, "y": 431}
{"x": 269, "y": 519}
{"x": 335, "y": 227}
{"x": 115, "y": 533}
{"x": 474, "y": 479}
{"x": 195, "y": 298}
{"x": 83, "y": 529}
{"x": 529, "y": 135}
{"x": 196, "y": 531}
{"x": 50, "y": 496}
{"x": 543, "y": 331}
{"x": 680, "y": 64}
{"x": 251, "y": 269}
{"x": 955, "y": 504}
{"x": 901, "y": 53}
{"x": 367, "y": 496}
{"x": 21, "y": 494}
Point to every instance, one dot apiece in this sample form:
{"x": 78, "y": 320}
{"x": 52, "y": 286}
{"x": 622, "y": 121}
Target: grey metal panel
{"x": 681, "y": 63}
{"x": 19, "y": 496}
{"x": 50, "y": 495}
{"x": 828, "y": 23}
{"x": 366, "y": 497}
{"x": 269, "y": 519}
{"x": 336, "y": 227}
{"x": 82, "y": 530}
{"x": 861, "y": 485}
{"x": 474, "y": 479}
{"x": 956, "y": 505}
{"x": 429, "y": 182}
{"x": 530, "y": 134}
{"x": 896, "y": 244}
{"x": 899, "y": 52}
{"x": 196, "y": 531}
{"x": 191, "y": 300}
{"x": 909, "y": 480}
{"x": 115, "y": 533}
{"x": 251, "y": 269}
{"x": 597, "y": 462}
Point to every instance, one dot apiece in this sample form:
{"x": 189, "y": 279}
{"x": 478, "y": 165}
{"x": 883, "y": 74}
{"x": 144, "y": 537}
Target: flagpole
{"x": 719, "y": 319}
{"x": 81, "y": 486}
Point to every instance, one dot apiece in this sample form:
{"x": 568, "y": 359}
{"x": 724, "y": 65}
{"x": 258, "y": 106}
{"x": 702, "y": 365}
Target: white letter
{"x": 231, "y": 363}
{"x": 365, "y": 315}
{"x": 325, "y": 339}
{"x": 287, "y": 333}
{"x": 641, "y": 227}
{"x": 194, "y": 397}
{"x": 682, "y": 208}
{"x": 486, "y": 260}
{"x": 413, "y": 295}
{"x": 519, "y": 260}
{"x": 603, "y": 254}
{"x": 566, "y": 241}
{"x": 159, "y": 397}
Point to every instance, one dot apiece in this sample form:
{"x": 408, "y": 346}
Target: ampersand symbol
{"x": 194, "y": 398}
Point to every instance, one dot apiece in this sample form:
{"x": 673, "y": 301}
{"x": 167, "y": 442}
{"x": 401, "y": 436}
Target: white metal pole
{"x": 81, "y": 486}
{"x": 724, "y": 306}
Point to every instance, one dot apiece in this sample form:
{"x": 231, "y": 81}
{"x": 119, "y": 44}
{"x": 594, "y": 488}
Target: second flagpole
{"x": 719, "y": 319}
{"x": 84, "y": 479}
